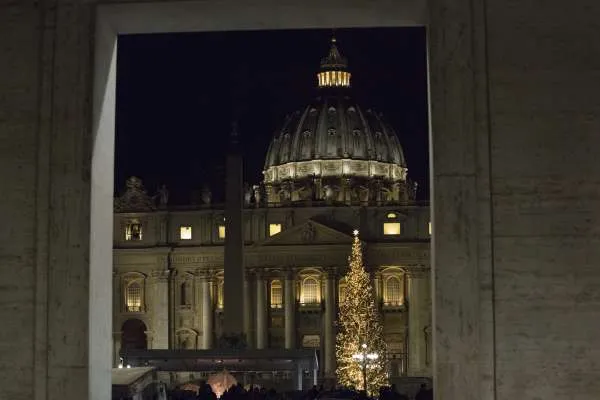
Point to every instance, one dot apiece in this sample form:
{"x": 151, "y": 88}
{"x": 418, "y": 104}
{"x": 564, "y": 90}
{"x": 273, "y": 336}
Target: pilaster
{"x": 207, "y": 312}
{"x": 418, "y": 319}
{"x": 290, "y": 310}
{"x": 160, "y": 308}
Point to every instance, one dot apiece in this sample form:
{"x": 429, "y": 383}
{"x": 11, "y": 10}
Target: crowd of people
{"x": 238, "y": 392}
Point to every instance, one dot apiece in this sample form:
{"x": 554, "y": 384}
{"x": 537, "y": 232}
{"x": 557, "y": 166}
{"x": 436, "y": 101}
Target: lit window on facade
{"x": 429, "y": 228}
{"x": 274, "y": 229}
{"x": 310, "y": 291}
{"x": 133, "y": 297}
{"x": 391, "y": 215}
{"x": 221, "y": 231}
{"x": 391, "y": 228}
{"x": 393, "y": 291}
{"x": 133, "y": 231}
{"x": 185, "y": 232}
{"x": 276, "y": 294}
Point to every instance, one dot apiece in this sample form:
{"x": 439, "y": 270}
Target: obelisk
{"x": 233, "y": 323}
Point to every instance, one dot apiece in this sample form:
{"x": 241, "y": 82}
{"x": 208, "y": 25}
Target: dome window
{"x": 351, "y": 109}
{"x": 312, "y": 111}
{"x": 392, "y": 215}
{"x": 331, "y": 131}
{"x": 356, "y": 132}
{"x": 332, "y": 110}
{"x": 306, "y": 133}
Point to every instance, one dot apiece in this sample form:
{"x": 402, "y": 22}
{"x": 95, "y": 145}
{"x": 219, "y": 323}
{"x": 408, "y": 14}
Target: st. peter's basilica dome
{"x": 334, "y": 150}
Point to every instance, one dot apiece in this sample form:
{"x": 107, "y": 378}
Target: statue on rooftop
{"x": 163, "y": 196}
{"x": 206, "y": 195}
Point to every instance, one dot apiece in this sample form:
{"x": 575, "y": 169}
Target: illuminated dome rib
{"x": 334, "y": 69}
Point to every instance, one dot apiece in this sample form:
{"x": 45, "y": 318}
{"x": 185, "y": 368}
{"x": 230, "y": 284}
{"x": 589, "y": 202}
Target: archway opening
{"x": 133, "y": 335}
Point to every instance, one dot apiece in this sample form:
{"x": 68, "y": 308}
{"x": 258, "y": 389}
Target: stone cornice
{"x": 416, "y": 271}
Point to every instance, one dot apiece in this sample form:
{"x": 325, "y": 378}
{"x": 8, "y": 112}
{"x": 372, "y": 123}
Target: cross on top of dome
{"x": 334, "y": 68}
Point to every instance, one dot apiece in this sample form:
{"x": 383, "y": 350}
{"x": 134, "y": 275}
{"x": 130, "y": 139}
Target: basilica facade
{"x": 332, "y": 168}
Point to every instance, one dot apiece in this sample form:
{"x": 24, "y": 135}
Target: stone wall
{"x": 22, "y": 243}
{"x": 544, "y": 77}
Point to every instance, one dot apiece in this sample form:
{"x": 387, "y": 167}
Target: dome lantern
{"x": 334, "y": 69}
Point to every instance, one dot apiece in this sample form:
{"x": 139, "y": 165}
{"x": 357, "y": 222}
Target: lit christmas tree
{"x": 359, "y": 325}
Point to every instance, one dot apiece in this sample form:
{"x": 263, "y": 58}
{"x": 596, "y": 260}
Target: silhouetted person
{"x": 313, "y": 393}
{"x": 423, "y": 393}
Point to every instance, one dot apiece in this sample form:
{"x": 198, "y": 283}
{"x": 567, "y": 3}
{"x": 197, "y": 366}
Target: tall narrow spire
{"x": 334, "y": 68}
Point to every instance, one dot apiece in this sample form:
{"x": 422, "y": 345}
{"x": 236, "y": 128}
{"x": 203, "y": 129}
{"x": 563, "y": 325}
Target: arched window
{"x": 185, "y": 293}
{"x": 393, "y": 291}
{"x": 310, "y": 291}
{"x": 133, "y": 296}
{"x": 133, "y": 230}
{"x": 276, "y": 294}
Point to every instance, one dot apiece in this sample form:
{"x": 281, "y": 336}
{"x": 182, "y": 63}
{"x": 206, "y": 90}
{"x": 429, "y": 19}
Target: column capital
{"x": 161, "y": 274}
{"x": 416, "y": 272}
{"x": 260, "y": 274}
{"x": 290, "y": 274}
{"x": 206, "y": 275}
{"x": 331, "y": 272}
{"x": 376, "y": 273}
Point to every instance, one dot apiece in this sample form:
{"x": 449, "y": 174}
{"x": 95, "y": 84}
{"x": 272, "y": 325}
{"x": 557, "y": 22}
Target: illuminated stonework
{"x": 335, "y": 168}
{"x": 333, "y": 150}
{"x": 334, "y": 69}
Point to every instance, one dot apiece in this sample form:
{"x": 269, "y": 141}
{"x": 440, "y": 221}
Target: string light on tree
{"x": 359, "y": 329}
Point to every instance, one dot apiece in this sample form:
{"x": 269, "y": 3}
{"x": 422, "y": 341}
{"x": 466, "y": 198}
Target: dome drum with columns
{"x": 334, "y": 150}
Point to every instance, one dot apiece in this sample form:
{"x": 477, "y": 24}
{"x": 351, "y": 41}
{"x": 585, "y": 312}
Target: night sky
{"x": 177, "y": 95}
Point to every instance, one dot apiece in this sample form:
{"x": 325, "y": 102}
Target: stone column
{"x": 297, "y": 376}
{"x": 261, "y": 312}
{"x": 207, "y": 314}
{"x": 377, "y": 292}
{"x": 248, "y": 314}
{"x": 418, "y": 319}
{"x": 290, "y": 311}
{"x": 329, "y": 321}
{"x": 159, "y": 298}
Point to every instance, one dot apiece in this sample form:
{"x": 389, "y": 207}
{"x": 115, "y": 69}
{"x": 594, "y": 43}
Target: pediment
{"x": 310, "y": 232}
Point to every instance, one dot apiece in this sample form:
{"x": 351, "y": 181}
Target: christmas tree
{"x": 359, "y": 325}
